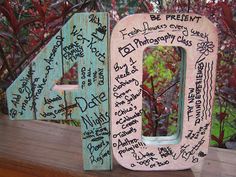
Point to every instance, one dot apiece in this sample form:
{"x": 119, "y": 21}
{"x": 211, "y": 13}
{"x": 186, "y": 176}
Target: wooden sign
{"x": 198, "y": 36}
{"x": 35, "y": 94}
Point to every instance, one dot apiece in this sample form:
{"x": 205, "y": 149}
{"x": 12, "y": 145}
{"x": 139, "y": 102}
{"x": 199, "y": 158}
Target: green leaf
{"x": 149, "y": 61}
{"x": 229, "y": 123}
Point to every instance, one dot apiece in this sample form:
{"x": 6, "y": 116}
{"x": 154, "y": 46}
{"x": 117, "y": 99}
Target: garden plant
{"x": 26, "y": 26}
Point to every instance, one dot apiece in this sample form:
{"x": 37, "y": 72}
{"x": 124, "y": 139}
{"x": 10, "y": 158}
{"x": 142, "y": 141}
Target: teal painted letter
{"x": 35, "y": 95}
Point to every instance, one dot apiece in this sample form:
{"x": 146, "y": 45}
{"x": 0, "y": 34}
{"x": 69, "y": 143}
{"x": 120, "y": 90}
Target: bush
{"x": 26, "y": 26}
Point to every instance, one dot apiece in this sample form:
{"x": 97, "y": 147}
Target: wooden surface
{"x": 130, "y": 100}
{"x": 43, "y": 149}
{"x": 34, "y": 95}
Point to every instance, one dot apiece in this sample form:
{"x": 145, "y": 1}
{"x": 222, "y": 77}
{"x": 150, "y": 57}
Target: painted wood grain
{"x": 37, "y": 94}
{"x": 93, "y": 82}
{"x": 198, "y": 37}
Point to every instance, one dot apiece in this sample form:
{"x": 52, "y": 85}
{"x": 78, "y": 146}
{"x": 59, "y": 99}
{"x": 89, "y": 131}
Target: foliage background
{"x": 26, "y": 26}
